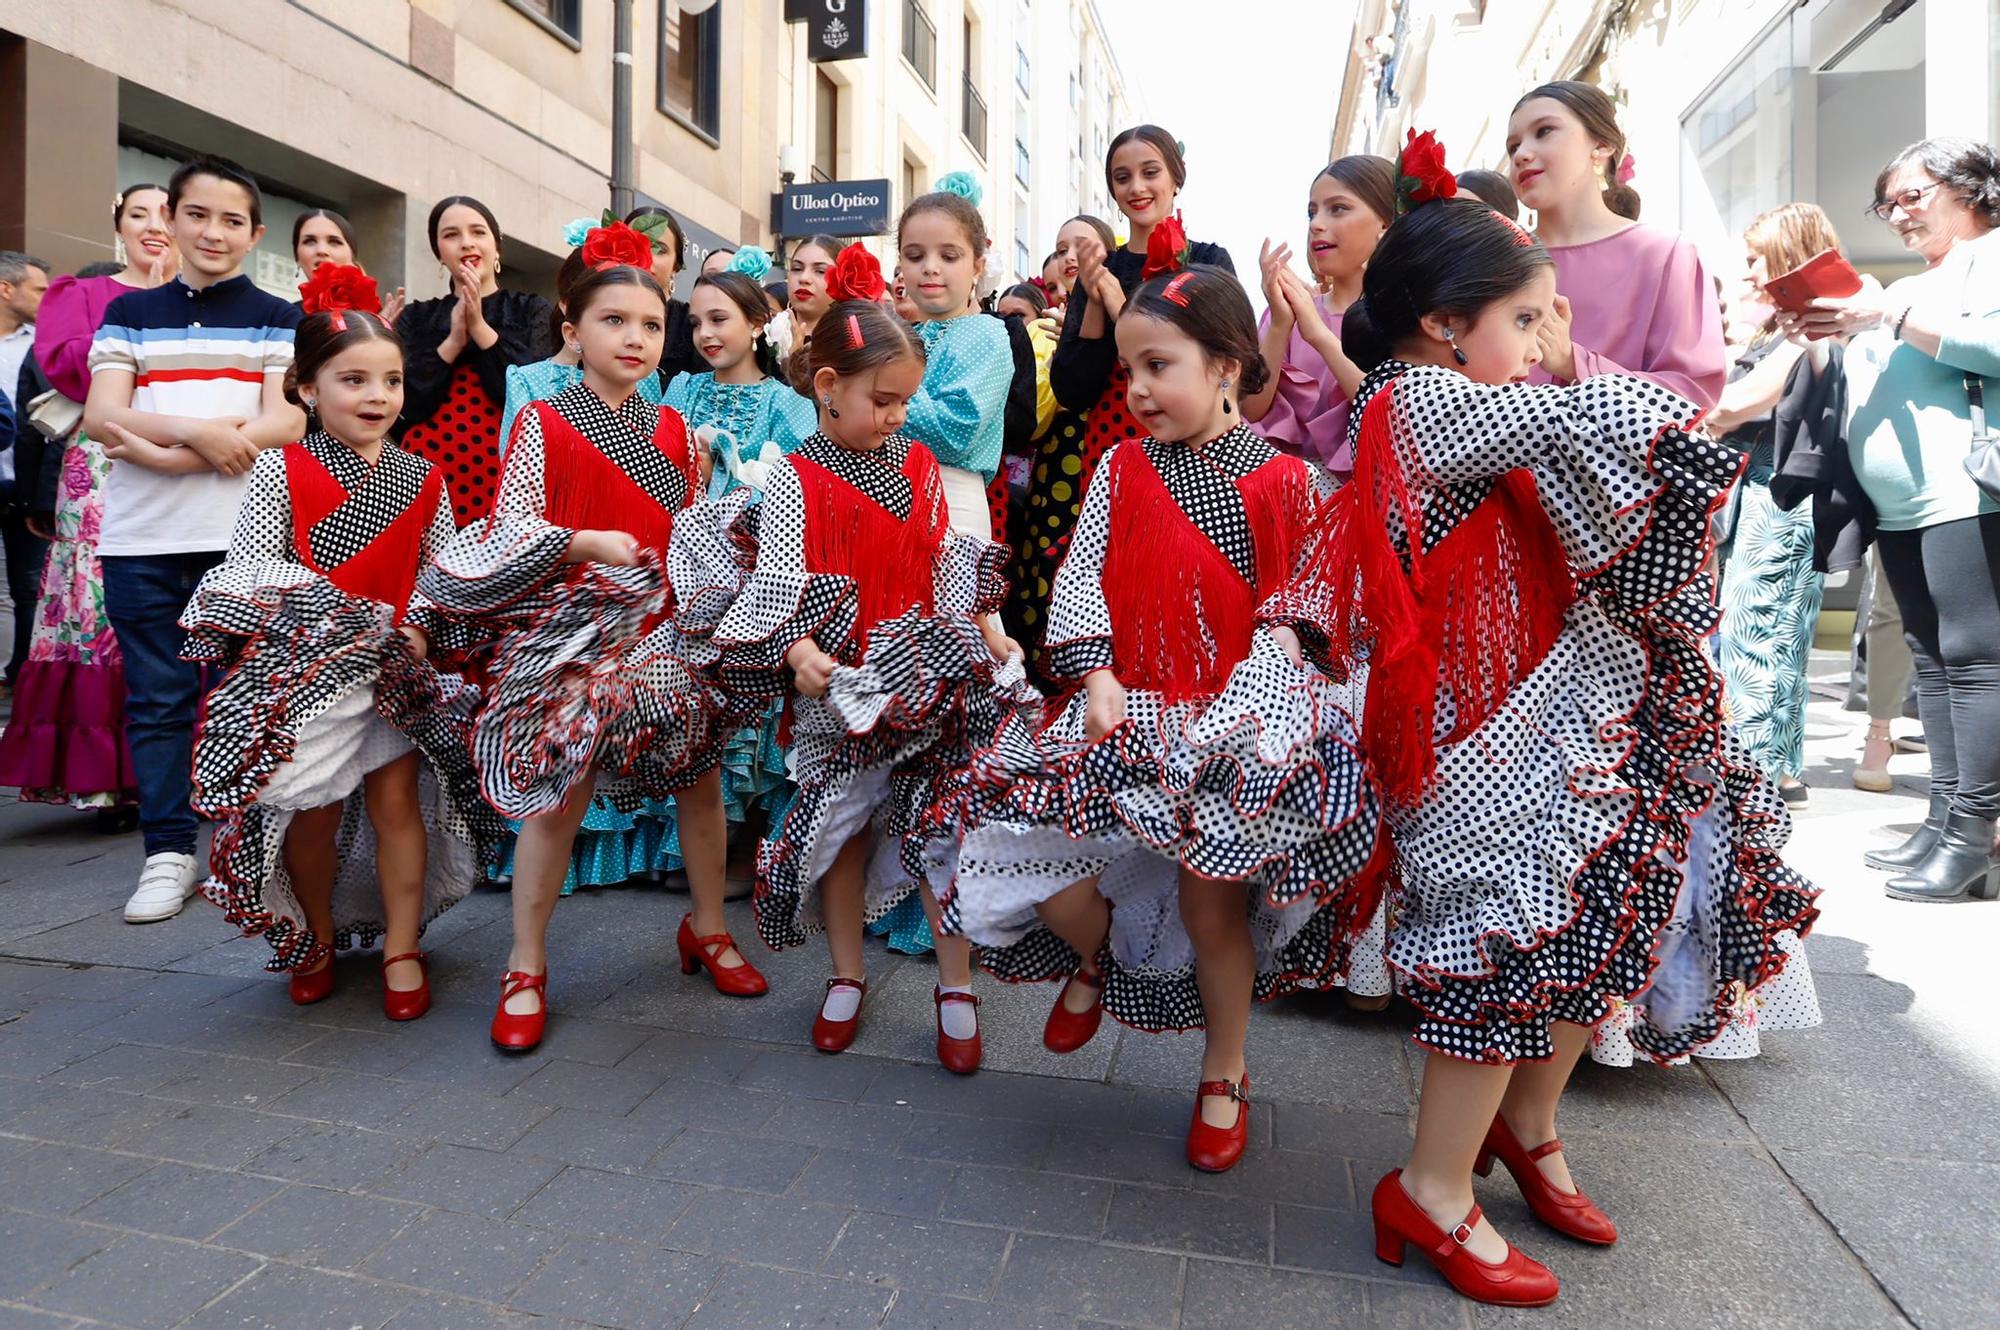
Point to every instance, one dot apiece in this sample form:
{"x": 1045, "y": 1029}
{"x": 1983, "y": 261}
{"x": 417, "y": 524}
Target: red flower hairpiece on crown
{"x": 855, "y": 275}
{"x": 336, "y": 287}
{"x": 1420, "y": 173}
{"x": 1166, "y": 249}
{"x": 616, "y": 245}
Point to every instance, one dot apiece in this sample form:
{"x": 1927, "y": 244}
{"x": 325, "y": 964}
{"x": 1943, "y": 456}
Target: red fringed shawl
{"x": 386, "y": 568}
{"x": 890, "y": 559}
{"x": 583, "y": 489}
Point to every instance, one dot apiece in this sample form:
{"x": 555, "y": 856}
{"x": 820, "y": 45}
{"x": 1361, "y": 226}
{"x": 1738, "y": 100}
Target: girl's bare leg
{"x": 401, "y": 849}
{"x": 1225, "y": 971}
{"x": 541, "y": 862}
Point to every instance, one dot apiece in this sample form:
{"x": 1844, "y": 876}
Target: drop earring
{"x": 831, "y": 410}
{"x": 1456, "y": 352}
{"x": 1227, "y": 409}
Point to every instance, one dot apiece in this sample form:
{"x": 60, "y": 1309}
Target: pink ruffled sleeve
{"x": 1683, "y": 349}
{"x": 1308, "y": 414}
{"x": 68, "y": 319}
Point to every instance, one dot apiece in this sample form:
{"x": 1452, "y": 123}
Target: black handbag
{"x": 1982, "y": 463}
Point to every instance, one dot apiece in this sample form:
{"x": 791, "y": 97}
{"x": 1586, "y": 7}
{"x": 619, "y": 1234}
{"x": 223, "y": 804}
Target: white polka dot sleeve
{"x": 782, "y": 603}
{"x": 264, "y": 519}
{"x": 1079, "y": 632}
{"x": 491, "y": 564}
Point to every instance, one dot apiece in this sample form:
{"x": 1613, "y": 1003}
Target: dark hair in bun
{"x": 322, "y": 336}
{"x": 1451, "y": 256}
{"x": 852, "y": 337}
{"x": 1208, "y": 304}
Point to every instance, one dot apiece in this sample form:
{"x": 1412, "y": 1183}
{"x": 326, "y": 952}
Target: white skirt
{"x": 965, "y": 496}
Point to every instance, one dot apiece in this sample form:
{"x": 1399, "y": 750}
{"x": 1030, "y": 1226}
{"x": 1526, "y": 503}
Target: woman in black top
{"x": 677, "y": 353}
{"x": 456, "y": 352}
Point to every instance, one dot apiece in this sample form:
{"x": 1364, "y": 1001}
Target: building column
{"x": 58, "y": 154}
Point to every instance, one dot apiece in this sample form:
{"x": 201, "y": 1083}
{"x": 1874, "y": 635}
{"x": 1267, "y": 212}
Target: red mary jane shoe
{"x": 1216, "y": 1149}
{"x": 410, "y": 1003}
{"x": 518, "y": 1034}
{"x": 701, "y": 953}
{"x": 310, "y": 986}
{"x": 1518, "y": 1281}
{"x": 957, "y": 1055}
{"x": 833, "y": 1036}
{"x": 1066, "y": 1030}
{"x": 1567, "y": 1212}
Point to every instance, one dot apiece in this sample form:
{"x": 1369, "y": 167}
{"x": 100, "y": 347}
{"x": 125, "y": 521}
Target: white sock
{"x": 960, "y": 1019}
{"x": 842, "y": 1001}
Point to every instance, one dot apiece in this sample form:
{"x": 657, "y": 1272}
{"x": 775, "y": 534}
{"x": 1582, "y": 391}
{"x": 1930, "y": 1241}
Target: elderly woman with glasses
{"x": 1923, "y": 352}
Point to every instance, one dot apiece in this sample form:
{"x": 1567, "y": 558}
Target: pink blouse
{"x": 71, "y": 311}
{"x": 1308, "y": 416}
{"x": 1642, "y": 303}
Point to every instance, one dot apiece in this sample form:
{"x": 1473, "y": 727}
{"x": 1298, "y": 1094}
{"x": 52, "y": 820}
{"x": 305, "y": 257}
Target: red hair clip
{"x": 854, "y": 330}
{"x": 1173, "y": 290}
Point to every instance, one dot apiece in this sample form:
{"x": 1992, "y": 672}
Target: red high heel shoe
{"x": 1518, "y": 1281}
{"x": 409, "y": 1003}
{"x": 1567, "y": 1212}
{"x": 702, "y": 953}
{"x": 310, "y": 986}
{"x": 1216, "y": 1149}
{"x": 518, "y": 1034}
{"x": 1066, "y": 1030}
{"x": 833, "y": 1036}
{"x": 960, "y": 1056}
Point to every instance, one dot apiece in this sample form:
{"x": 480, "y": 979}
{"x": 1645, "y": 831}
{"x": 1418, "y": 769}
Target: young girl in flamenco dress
{"x": 332, "y": 754}
{"x": 1201, "y": 779}
{"x": 1512, "y": 586}
{"x": 591, "y": 677}
{"x": 879, "y": 619}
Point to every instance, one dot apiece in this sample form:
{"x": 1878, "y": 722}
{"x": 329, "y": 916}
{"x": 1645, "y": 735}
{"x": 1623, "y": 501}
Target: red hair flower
{"x": 1166, "y": 249}
{"x": 334, "y": 287}
{"x": 855, "y": 275}
{"x": 615, "y": 245}
{"x": 1421, "y": 174}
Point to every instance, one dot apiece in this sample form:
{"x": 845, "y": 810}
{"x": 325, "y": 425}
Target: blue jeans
{"x": 144, "y": 595}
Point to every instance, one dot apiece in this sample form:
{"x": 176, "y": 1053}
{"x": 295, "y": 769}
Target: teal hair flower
{"x": 574, "y": 233}
{"x": 964, "y": 184}
{"x": 752, "y": 262}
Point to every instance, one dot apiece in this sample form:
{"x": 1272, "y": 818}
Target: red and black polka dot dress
{"x": 463, "y": 441}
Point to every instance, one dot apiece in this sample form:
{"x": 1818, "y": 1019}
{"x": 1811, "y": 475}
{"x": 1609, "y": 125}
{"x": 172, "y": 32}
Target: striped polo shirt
{"x": 201, "y": 353}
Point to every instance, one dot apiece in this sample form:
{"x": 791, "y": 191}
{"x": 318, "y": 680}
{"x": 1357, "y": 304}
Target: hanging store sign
{"x": 832, "y": 207}
{"x": 835, "y": 29}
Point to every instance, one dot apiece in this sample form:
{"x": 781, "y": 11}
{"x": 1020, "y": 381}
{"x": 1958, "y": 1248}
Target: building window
{"x": 1075, "y": 93}
{"x": 826, "y": 127}
{"x": 920, "y": 42}
{"x": 562, "y": 18}
{"x": 1023, "y": 72}
{"x": 913, "y": 180}
{"x": 691, "y": 68}
{"x": 1024, "y": 261}
{"x": 1022, "y": 171}
{"x": 974, "y": 112}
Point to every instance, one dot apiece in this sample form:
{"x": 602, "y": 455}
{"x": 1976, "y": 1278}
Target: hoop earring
{"x": 1452, "y": 339}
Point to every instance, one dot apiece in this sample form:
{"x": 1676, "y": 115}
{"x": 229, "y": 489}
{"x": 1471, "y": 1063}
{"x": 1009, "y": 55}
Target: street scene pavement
{"x": 180, "y": 1146}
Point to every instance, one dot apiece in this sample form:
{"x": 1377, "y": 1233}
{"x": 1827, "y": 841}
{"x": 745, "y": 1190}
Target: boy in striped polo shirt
{"x": 186, "y": 387}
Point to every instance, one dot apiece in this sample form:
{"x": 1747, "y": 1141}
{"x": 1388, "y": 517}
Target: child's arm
{"x": 264, "y": 518}
{"x": 965, "y": 387}
{"x": 278, "y": 422}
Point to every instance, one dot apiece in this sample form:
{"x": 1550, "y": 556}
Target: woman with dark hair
{"x": 805, "y": 295}
{"x": 1922, "y": 355}
{"x": 1634, "y": 299}
{"x": 1303, "y": 410}
{"x": 663, "y": 230}
{"x": 321, "y": 236}
{"x": 458, "y": 348}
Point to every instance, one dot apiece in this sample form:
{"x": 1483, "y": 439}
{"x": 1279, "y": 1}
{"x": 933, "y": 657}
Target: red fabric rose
{"x": 1166, "y": 249}
{"x": 1421, "y": 172}
{"x": 339, "y": 286}
{"x": 855, "y": 275}
{"x": 615, "y": 245}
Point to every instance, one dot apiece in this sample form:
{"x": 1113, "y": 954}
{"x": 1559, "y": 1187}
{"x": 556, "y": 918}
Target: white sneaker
{"x": 165, "y": 883}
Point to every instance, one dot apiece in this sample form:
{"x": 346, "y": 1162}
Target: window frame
{"x": 708, "y": 89}
{"x": 927, "y": 78}
{"x": 568, "y": 29}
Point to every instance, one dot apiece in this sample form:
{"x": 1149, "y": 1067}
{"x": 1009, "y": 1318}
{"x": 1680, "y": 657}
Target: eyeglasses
{"x": 1907, "y": 201}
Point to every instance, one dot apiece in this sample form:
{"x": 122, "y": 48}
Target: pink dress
{"x": 1308, "y": 416}
{"x": 1642, "y": 303}
{"x": 66, "y": 740}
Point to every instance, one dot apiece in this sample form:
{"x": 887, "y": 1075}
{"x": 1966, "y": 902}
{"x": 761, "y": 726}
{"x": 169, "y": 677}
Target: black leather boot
{"x": 1960, "y": 867}
{"x": 1912, "y": 851}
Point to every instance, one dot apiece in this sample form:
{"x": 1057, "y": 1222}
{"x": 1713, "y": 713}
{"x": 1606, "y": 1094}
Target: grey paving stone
{"x": 997, "y": 1141}
{"x": 1067, "y": 1103}
{"x": 19, "y": 1095}
{"x": 619, "y": 1284}
{"x": 467, "y": 1065}
{"x": 1343, "y": 1242}
{"x": 1301, "y": 1177}
{"x": 129, "y": 1067}
{"x": 89, "y": 1117}
{"x": 470, "y": 1117}
{"x": 1167, "y": 1112}
{"x": 684, "y": 1057}
{"x": 208, "y": 1135}
{"x": 812, "y": 1075}
{"x": 1122, "y": 1156}
{"x": 59, "y": 1016}
{"x": 583, "y": 1039}
{"x": 1223, "y": 1296}
{"x": 1393, "y": 1308}
{"x": 929, "y": 1255}
{"x": 24, "y": 1318}
{"x": 427, "y": 1313}
{"x": 1324, "y": 1130}
{"x": 329, "y": 1155}
{"x": 596, "y": 1140}
{"x": 764, "y": 1230}
{"x": 282, "y": 1295}
{"x": 146, "y": 1283}
{"x": 59, "y": 1179}
{"x": 928, "y": 1311}
{"x": 334, "y": 1230}
{"x": 1309, "y": 1051}
{"x": 1887, "y": 1210}
{"x": 785, "y": 1300}
{"x": 27, "y": 1055}
{"x": 189, "y": 991}
{"x": 1088, "y": 1280}
{"x": 1030, "y": 1201}
{"x": 886, "y": 1184}
{"x": 215, "y": 1030}
{"x": 38, "y": 1249}
{"x": 721, "y": 1159}
{"x": 614, "y": 1090}
{"x": 358, "y": 1101}
{"x": 1667, "y": 1101}
{"x": 610, "y": 1205}
{"x": 684, "y": 1103}
{"x": 1186, "y": 1221}
{"x": 370, "y": 1052}
{"x": 845, "y": 1126}
{"x": 179, "y": 1201}
{"x": 475, "y": 1182}
{"x": 232, "y": 1082}
{"x": 463, "y": 1254}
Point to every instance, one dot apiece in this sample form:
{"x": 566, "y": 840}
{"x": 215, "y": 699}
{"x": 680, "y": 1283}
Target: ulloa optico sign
{"x": 833, "y": 207}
